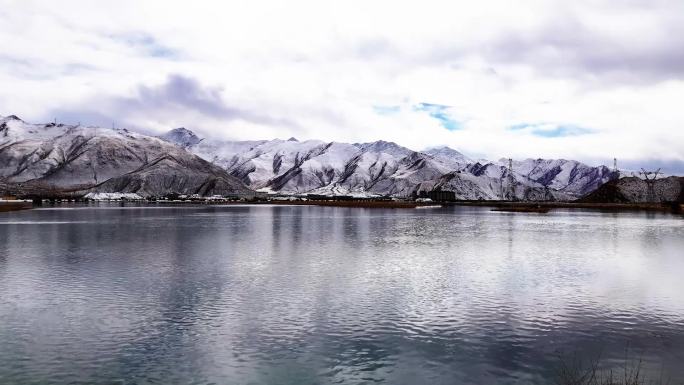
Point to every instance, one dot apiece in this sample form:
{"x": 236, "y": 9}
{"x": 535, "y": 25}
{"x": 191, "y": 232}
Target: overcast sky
{"x": 589, "y": 80}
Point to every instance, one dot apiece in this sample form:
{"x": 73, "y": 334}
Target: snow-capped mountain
{"x": 386, "y": 168}
{"x": 69, "y": 157}
{"x": 570, "y": 176}
{"x": 76, "y": 158}
{"x": 182, "y": 137}
{"x": 449, "y": 156}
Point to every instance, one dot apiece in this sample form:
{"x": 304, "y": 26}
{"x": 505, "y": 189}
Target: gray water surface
{"x": 320, "y": 295}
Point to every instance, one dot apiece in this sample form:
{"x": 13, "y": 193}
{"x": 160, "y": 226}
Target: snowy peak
{"x": 382, "y": 146}
{"x": 10, "y": 117}
{"x": 448, "y": 156}
{"x": 182, "y": 137}
{"x": 13, "y": 129}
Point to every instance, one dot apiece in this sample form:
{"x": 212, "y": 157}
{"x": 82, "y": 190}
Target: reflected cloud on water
{"x": 303, "y": 294}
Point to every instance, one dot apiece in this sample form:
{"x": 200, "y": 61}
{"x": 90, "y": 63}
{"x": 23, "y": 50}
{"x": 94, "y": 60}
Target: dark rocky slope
{"x": 635, "y": 190}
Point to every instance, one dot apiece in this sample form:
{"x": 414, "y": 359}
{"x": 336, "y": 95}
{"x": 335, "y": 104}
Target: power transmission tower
{"x": 650, "y": 178}
{"x": 508, "y": 191}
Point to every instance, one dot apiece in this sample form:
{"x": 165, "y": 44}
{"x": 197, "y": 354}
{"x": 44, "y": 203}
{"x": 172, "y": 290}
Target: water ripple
{"x": 306, "y": 295}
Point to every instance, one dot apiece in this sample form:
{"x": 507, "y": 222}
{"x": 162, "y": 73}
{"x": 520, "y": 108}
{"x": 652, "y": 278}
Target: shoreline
{"x": 493, "y": 204}
{"x": 350, "y": 203}
{"x": 505, "y": 206}
{"x": 675, "y": 208}
{"x": 659, "y": 207}
{"x": 7, "y": 206}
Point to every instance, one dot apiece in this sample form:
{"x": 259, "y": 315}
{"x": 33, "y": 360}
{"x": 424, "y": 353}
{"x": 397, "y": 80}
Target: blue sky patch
{"x": 520, "y": 126}
{"x": 546, "y": 130}
{"x": 146, "y": 43}
{"x": 386, "y": 110}
{"x": 440, "y": 112}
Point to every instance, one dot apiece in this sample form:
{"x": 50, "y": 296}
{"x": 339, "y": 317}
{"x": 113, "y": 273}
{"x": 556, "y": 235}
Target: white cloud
{"x": 317, "y": 69}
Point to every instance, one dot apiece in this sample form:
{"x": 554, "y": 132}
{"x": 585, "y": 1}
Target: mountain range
{"x": 386, "y": 168}
{"x": 96, "y": 159}
{"x": 68, "y": 158}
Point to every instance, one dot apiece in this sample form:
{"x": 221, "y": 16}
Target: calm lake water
{"x": 322, "y": 295}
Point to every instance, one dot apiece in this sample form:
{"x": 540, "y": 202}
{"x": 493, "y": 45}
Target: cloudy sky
{"x": 589, "y": 80}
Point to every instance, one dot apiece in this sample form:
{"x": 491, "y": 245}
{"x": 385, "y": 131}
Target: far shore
{"x": 655, "y": 206}
{"x": 517, "y": 206}
{"x": 662, "y": 207}
{"x": 14, "y": 205}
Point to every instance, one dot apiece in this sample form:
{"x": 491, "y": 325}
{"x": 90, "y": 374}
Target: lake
{"x": 243, "y": 294}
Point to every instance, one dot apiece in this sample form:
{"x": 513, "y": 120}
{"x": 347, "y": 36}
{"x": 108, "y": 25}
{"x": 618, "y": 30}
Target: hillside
{"x": 635, "y": 190}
